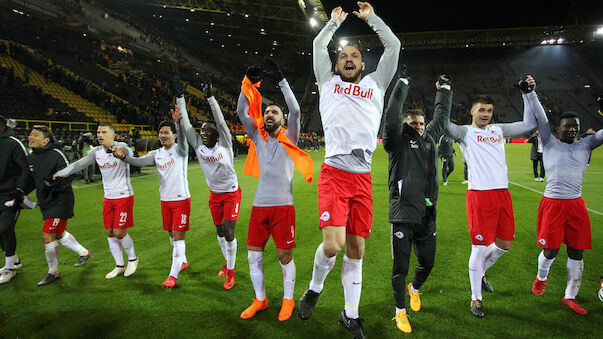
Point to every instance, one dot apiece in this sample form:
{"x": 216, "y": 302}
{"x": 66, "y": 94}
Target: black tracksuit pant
{"x": 423, "y": 238}
{"x": 8, "y": 239}
{"x": 447, "y": 167}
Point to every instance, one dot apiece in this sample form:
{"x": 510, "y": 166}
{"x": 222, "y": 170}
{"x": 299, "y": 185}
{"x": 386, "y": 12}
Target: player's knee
{"x": 575, "y": 254}
{"x": 550, "y": 253}
{"x": 331, "y": 248}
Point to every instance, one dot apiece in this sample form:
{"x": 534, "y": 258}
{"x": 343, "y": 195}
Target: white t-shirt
{"x": 484, "y": 152}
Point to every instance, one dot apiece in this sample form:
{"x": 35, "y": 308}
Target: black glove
{"x": 177, "y": 86}
{"x": 254, "y": 73}
{"x": 17, "y": 195}
{"x": 403, "y": 72}
{"x": 524, "y": 87}
{"x": 206, "y": 88}
{"x": 446, "y": 81}
{"x": 273, "y": 70}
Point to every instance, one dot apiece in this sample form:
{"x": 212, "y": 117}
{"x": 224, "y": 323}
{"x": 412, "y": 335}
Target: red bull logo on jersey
{"x": 213, "y": 159}
{"x": 493, "y": 139}
{"x": 107, "y": 165}
{"x": 353, "y": 90}
{"x": 166, "y": 164}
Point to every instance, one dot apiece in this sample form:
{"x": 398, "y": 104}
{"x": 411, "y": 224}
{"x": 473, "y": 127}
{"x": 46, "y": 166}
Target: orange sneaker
{"x": 222, "y": 271}
{"x": 184, "y": 266}
{"x": 169, "y": 283}
{"x": 574, "y": 306}
{"x": 258, "y": 305}
{"x": 286, "y": 309}
{"x": 229, "y": 282}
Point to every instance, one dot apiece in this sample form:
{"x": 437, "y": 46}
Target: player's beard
{"x": 275, "y": 125}
{"x": 355, "y": 77}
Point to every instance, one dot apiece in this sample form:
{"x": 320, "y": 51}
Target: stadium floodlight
{"x": 552, "y": 41}
{"x": 343, "y": 42}
{"x": 560, "y": 40}
{"x": 544, "y": 42}
{"x": 599, "y": 31}
{"x": 313, "y": 22}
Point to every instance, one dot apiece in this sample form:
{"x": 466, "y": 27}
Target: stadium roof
{"x": 283, "y": 26}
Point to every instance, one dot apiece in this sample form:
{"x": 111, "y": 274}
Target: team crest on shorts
{"x": 479, "y": 237}
{"x": 325, "y": 216}
{"x": 542, "y": 241}
{"x": 399, "y": 235}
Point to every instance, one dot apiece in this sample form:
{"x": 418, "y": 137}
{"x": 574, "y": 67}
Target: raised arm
{"x": 532, "y": 104}
{"x": 181, "y": 145}
{"x": 225, "y": 138}
{"x": 595, "y": 140}
{"x": 393, "y": 115}
{"x": 321, "y": 61}
{"x": 529, "y": 120}
{"x": 244, "y": 117}
{"x": 386, "y": 67}
{"x": 79, "y": 165}
{"x": 293, "y": 121}
{"x": 456, "y": 132}
{"x": 441, "y": 109}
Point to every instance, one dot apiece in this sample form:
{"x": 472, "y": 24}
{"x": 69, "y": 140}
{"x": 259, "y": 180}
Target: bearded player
{"x": 351, "y": 106}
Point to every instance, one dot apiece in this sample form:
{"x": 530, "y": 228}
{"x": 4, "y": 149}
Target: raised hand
{"x": 273, "y": 70}
{"x": 339, "y": 13}
{"x": 175, "y": 112}
{"x": 254, "y": 73}
{"x": 443, "y": 79}
{"x": 526, "y": 86}
{"x": 207, "y": 88}
{"x": 364, "y": 10}
{"x": 177, "y": 86}
{"x": 403, "y": 72}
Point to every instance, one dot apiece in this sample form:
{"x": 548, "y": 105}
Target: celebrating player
{"x": 413, "y": 188}
{"x": 562, "y": 214}
{"x": 55, "y": 198}
{"x": 271, "y": 157}
{"x": 489, "y": 205}
{"x": 14, "y": 177}
{"x": 119, "y": 197}
{"x": 215, "y": 154}
{"x": 171, "y": 161}
{"x": 351, "y": 106}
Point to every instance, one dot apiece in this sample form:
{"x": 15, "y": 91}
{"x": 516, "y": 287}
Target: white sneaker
{"x": 15, "y": 266}
{"x": 116, "y": 271}
{"x": 6, "y": 276}
{"x": 536, "y": 179}
{"x": 131, "y": 268}
{"x": 541, "y": 179}
{"x": 465, "y": 182}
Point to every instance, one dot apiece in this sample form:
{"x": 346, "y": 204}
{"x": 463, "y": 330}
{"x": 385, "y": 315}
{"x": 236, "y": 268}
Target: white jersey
{"x": 115, "y": 172}
{"x": 351, "y": 113}
{"x": 484, "y": 151}
{"x": 217, "y": 162}
{"x": 172, "y": 166}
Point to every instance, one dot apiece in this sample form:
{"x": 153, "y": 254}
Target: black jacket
{"x": 57, "y": 200}
{"x": 14, "y": 172}
{"x": 534, "y": 152}
{"x": 413, "y": 159}
{"x": 445, "y": 148}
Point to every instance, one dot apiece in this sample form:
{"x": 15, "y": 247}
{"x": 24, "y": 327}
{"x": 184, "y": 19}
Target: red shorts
{"x": 117, "y": 213}
{"x": 225, "y": 206}
{"x": 54, "y": 225}
{"x": 490, "y": 216}
{"x": 278, "y": 221}
{"x": 176, "y": 215}
{"x": 345, "y": 199}
{"x": 563, "y": 221}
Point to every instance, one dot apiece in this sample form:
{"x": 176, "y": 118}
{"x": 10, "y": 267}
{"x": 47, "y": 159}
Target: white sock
{"x": 544, "y": 265}
{"x": 398, "y": 310}
{"x": 412, "y": 288}
{"x": 574, "y": 277}
{"x": 322, "y": 266}
{"x": 128, "y": 245}
{"x": 231, "y": 254}
{"x": 177, "y": 257}
{"x": 351, "y": 278}
{"x": 69, "y": 241}
{"x": 256, "y": 273}
{"x": 492, "y": 254}
{"x": 288, "y": 279}
{"x": 172, "y": 243}
{"x": 222, "y": 243}
{"x": 115, "y": 248}
{"x": 52, "y": 256}
{"x": 476, "y": 270}
{"x": 9, "y": 262}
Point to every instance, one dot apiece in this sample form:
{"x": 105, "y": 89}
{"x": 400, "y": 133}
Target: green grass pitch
{"x": 84, "y": 304}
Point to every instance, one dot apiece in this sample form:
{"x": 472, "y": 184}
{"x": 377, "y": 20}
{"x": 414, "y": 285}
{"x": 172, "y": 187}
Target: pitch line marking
{"x": 540, "y": 192}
